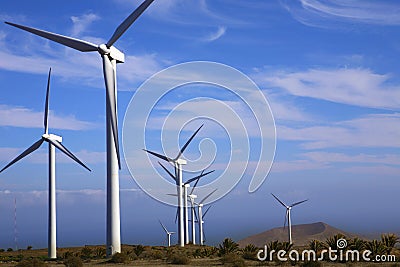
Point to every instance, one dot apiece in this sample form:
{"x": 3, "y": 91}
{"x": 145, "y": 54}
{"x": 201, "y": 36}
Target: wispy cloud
{"x": 37, "y": 54}
{"x": 324, "y": 13}
{"x": 378, "y": 130}
{"x": 27, "y": 118}
{"x": 358, "y": 87}
{"x": 81, "y": 23}
{"x": 215, "y": 35}
{"x": 333, "y": 157}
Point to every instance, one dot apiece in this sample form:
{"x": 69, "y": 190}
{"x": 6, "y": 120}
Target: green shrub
{"x": 119, "y": 258}
{"x": 249, "y": 252}
{"x": 228, "y": 246}
{"x": 138, "y": 250}
{"x": 154, "y": 255}
{"x": 34, "y": 262}
{"x": 233, "y": 260}
{"x": 67, "y": 254}
{"x": 100, "y": 253}
{"x": 86, "y": 253}
{"x": 9, "y": 249}
{"x": 178, "y": 258}
{"x": 2, "y": 250}
{"x": 73, "y": 261}
{"x": 29, "y": 247}
{"x": 131, "y": 254}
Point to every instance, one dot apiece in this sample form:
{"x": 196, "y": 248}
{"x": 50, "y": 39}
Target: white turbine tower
{"x": 54, "y": 141}
{"x": 192, "y": 197}
{"x": 287, "y": 215}
{"x": 178, "y": 162}
{"x": 111, "y": 56}
{"x": 185, "y": 186}
{"x": 168, "y": 234}
{"x": 201, "y": 216}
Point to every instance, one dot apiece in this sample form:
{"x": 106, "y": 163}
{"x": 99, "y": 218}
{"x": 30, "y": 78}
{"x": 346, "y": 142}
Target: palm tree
{"x": 357, "y": 244}
{"x": 249, "y": 252}
{"x": 332, "y": 241}
{"x": 286, "y": 246}
{"x": 376, "y": 247}
{"x": 228, "y": 246}
{"x": 316, "y": 245}
{"x": 273, "y": 245}
{"x": 389, "y": 241}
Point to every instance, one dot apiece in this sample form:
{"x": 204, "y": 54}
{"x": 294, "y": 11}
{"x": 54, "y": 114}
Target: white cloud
{"x": 330, "y": 157}
{"x": 297, "y": 165}
{"x": 81, "y": 23}
{"x": 379, "y": 130}
{"x": 319, "y": 13}
{"x": 359, "y": 87}
{"x": 216, "y": 35}
{"x": 27, "y": 118}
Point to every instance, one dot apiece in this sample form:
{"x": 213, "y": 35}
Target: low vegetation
{"x": 227, "y": 253}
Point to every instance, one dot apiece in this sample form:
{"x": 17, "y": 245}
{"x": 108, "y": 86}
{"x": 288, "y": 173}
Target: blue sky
{"x": 329, "y": 70}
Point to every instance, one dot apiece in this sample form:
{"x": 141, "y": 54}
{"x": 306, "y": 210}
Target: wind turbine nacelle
{"x": 193, "y": 196}
{"x": 113, "y": 53}
{"x": 181, "y": 161}
{"x": 53, "y": 137}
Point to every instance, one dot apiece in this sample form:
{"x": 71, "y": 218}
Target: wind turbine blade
{"x": 198, "y": 177}
{"x": 283, "y": 204}
{"x": 165, "y": 169}
{"x": 109, "y": 78}
{"x": 297, "y": 203}
{"x": 46, "y": 106}
{"x": 32, "y": 148}
{"x": 165, "y": 229}
{"x": 77, "y": 44}
{"x": 176, "y": 216}
{"x": 204, "y": 214}
{"x": 284, "y": 224}
{"x": 195, "y": 214}
{"x": 195, "y": 184}
{"x": 204, "y": 199}
{"x": 128, "y": 22}
{"x": 188, "y": 142}
{"x": 158, "y": 155}
{"x": 68, "y": 153}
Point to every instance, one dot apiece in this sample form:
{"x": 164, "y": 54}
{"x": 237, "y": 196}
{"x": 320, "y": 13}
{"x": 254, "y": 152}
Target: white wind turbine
{"x": 287, "y": 216}
{"x": 54, "y": 141}
{"x": 192, "y": 197}
{"x": 178, "y": 162}
{"x": 201, "y": 216}
{"x": 168, "y": 233}
{"x": 111, "y": 56}
{"x": 185, "y": 186}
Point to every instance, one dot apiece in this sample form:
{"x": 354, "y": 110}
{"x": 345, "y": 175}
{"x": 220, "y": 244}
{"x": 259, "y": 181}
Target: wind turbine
{"x": 201, "y": 216}
{"x": 186, "y": 197}
{"x": 111, "y": 56}
{"x": 192, "y": 198}
{"x": 168, "y": 233}
{"x": 185, "y": 186}
{"x": 54, "y": 141}
{"x": 178, "y": 162}
{"x": 287, "y": 216}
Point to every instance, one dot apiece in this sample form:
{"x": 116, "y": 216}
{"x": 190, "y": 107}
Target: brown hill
{"x": 302, "y": 234}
